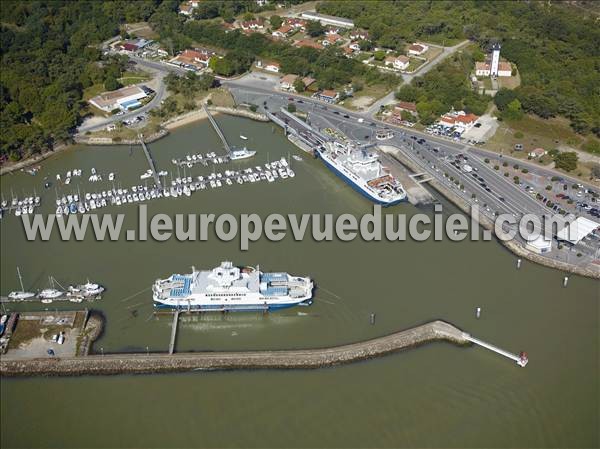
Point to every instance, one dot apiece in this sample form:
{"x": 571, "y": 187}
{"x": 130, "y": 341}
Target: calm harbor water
{"x": 434, "y": 396}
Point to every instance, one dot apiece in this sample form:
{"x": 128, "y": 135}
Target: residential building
{"x": 308, "y": 81}
{"x": 124, "y": 98}
{"x": 399, "y": 63}
{"x": 406, "y": 106}
{"x": 271, "y": 66}
{"x": 354, "y": 46}
{"x": 283, "y": 31}
{"x": 197, "y": 58}
{"x": 332, "y": 30}
{"x": 417, "y": 49}
{"x": 485, "y": 69}
{"x": 331, "y": 39}
{"x": 459, "y": 120}
{"x": 308, "y": 43}
{"x": 493, "y": 65}
{"x": 287, "y": 82}
{"x": 252, "y": 25}
{"x": 328, "y": 20}
{"x": 186, "y": 9}
{"x": 296, "y": 23}
{"x": 359, "y": 35}
{"x": 329, "y": 96}
{"x": 537, "y": 152}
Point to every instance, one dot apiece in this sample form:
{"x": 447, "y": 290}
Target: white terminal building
{"x": 328, "y": 20}
{"x": 577, "y": 231}
{"x": 124, "y": 99}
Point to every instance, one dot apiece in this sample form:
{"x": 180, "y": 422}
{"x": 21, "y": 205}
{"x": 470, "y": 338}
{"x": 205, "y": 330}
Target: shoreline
{"x": 483, "y": 221}
{"x": 166, "y": 126}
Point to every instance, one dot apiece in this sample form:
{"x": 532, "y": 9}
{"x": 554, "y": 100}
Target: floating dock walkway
{"x": 217, "y": 129}
{"x": 143, "y": 363}
{"x": 150, "y": 162}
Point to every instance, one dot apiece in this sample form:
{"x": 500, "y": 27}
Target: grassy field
{"x": 222, "y": 97}
{"x": 367, "y": 96}
{"x": 130, "y": 78}
{"x": 533, "y": 132}
{"x": 140, "y": 29}
{"x": 92, "y": 91}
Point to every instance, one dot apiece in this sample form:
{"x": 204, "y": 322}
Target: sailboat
{"x": 48, "y": 294}
{"x": 22, "y": 294}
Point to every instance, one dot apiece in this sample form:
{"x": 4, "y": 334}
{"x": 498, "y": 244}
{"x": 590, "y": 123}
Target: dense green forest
{"x": 48, "y": 58}
{"x": 556, "y": 48}
{"x": 49, "y": 55}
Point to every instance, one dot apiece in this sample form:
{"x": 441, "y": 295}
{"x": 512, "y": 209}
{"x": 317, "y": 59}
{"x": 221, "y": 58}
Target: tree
{"x": 299, "y": 85}
{"x": 111, "y": 83}
{"x": 379, "y": 55}
{"x": 503, "y": 97}
{"x": 513, "y": 110}
{"x": 407, "y": 92}
{"x": 314, "y": 28}
{"x": 276, "y": 21}
{"x": 291, "y": 107}
{"x": 566, "y": 161}
{"x": 596, "y": 171}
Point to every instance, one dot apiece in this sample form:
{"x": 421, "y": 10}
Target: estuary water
{"x": 438, "y": 395}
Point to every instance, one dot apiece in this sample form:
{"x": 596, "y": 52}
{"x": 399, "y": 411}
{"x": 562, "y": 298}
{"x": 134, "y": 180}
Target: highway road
{"x": 494, "y": 193}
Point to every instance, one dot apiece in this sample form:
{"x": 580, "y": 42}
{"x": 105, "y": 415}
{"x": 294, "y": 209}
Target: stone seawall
{"x": 488, "y": 224}
{"x": 280, "y": 359}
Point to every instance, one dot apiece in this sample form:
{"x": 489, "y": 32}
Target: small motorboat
{"x": 243, "y": 137}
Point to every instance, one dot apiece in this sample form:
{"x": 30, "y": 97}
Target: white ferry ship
{"x": 229, "y": 288}
{"x": 363, "y": 171}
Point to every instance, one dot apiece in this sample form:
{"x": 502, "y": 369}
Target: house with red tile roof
{"x": 417, "y": 49}
{"x": 308, "y": 43}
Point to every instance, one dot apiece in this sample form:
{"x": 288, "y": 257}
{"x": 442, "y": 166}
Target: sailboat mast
{"x": 20, "y": 279}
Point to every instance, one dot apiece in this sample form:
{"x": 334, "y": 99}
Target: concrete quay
{"x": 110, "y": 364}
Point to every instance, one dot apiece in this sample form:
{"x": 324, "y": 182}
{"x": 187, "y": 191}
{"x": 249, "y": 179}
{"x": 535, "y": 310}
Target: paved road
{"x": 155, "y": 102}
{"x": 408, "y": 77}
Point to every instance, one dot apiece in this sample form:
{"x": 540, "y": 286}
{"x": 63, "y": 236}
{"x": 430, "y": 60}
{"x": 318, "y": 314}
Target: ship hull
{"x": 227, "y": 307}
{"x": 355, "y": 186}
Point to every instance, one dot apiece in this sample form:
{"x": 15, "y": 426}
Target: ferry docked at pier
{"x": 363, "y": 171}
{"x": 229, "y": 288}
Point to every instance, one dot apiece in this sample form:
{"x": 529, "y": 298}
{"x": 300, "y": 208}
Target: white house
{"x": 399, "y": 63}
{"x": 417, "y": 49}
{"x": 359, "y": 34}
{"x": 269, "y": 66}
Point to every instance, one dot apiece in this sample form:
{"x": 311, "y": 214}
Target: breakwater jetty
{"x": 143, "y": 363}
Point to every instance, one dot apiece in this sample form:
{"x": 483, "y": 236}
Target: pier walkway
{"x": 150, "y": 162}
{"x": 520, "y": 360}
{"x": 174, "y": 332}
{"x": 217, "y": 129}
